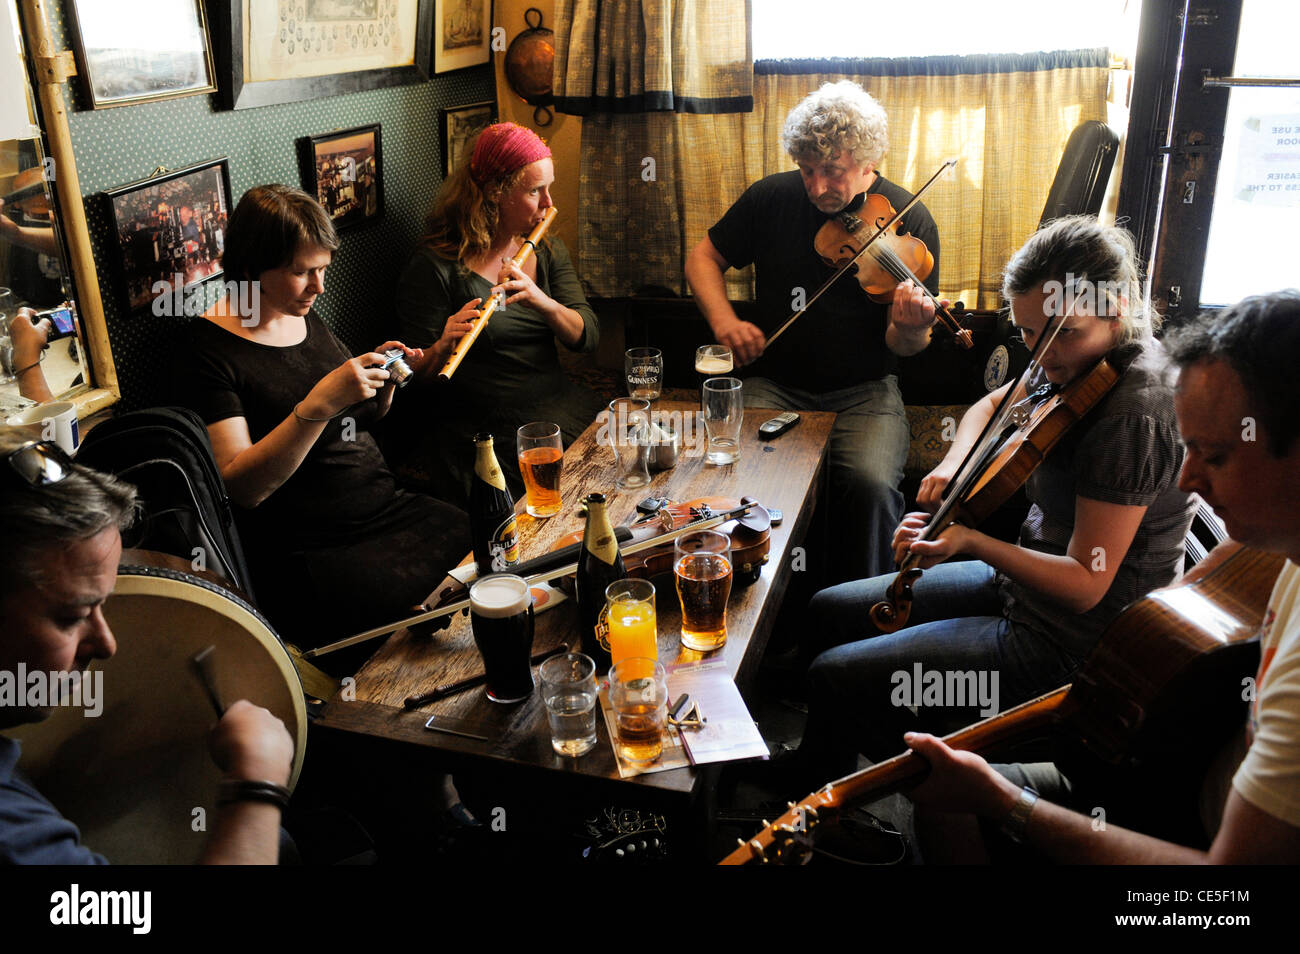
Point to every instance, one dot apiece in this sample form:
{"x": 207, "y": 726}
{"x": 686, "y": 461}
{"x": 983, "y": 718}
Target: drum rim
{"x": 129, "y": 576}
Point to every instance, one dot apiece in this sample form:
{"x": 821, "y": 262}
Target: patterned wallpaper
{"x": 120, "y": 145}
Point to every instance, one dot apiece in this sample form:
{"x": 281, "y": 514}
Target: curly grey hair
{"x": 838, "y": 118}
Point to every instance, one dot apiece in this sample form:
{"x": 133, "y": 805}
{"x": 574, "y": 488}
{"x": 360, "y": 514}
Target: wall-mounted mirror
{"x": 45, "y": 258}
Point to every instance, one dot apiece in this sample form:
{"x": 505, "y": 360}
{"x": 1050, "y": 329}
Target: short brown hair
{"x": 268, "y": 226}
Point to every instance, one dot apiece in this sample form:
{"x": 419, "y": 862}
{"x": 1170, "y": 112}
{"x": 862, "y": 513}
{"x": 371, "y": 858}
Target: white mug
{"x": 56, "y": 421}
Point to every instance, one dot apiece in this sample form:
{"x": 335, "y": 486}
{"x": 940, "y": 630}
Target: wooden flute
{"x": 464, "y": 344}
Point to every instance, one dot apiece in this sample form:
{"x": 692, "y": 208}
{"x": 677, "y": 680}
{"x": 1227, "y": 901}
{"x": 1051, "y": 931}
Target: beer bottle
{"x": 599, "y": 565}
{"x": 491, "y": 512}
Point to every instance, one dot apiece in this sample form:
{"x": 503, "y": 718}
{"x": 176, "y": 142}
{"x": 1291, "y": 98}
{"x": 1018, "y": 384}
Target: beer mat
{"x": 673, "y": 757}
{"x": 545, "y": 596}
{"x": 729, "y": 731}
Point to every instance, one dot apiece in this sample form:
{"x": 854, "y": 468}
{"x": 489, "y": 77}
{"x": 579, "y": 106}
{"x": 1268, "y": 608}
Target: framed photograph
{"x": 283, "y": 51}
{"x": 159, "y": 51}
{"x": 170, "y": 231}
{"x": 462, "y": 34}
{"x": 459, "y": 124}
{"x": 344, "y": 171}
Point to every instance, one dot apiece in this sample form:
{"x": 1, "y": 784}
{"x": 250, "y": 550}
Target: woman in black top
{"x": 335, "y": 547}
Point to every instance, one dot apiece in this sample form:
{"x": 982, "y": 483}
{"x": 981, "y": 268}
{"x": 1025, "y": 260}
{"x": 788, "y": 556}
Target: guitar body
{"x": 1136, "y": 730}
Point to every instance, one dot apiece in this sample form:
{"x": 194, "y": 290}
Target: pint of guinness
{"x": 501, "y": 615}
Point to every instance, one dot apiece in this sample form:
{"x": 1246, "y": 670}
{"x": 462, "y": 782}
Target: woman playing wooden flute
{"x": 512, "y": 374}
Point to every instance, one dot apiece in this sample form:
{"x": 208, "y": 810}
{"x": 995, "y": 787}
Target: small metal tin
{"x": 663, "y": 452}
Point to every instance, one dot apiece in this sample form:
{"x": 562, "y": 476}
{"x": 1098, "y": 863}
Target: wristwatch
{"x": 1015, "y": 823}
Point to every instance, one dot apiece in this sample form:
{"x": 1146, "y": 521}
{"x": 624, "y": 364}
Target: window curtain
{"x": 637, "y": 56}
{"x": 1005, "y": 118}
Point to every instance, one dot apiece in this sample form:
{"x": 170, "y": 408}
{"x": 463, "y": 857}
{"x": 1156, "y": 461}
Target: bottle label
{"x": 485, "y": 465}
{"x": 600, "y": 540}
{"x": 503, "y": 546}
{"x": 602, "y": 628}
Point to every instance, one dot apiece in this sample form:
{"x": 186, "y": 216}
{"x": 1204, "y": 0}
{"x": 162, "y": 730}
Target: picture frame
{"x": 462, "y": 34}
{"x": 458, "y": 124}
{"x": 343, "y": 171}
{"x": 178, "y": 61}
{"x": 170, "y": 224}
{"x": 281, "y": 71}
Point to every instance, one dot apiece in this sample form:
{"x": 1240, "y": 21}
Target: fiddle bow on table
{"x": 752, "y": 522}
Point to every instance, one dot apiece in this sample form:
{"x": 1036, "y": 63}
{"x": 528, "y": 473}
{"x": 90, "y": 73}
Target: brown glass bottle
{"x": 599, "y": 564}
{"x": 491, "y": 512}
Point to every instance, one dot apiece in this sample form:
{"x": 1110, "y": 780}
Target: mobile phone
{"x": 777, "y": 425}
{"x": 62, "y": 324}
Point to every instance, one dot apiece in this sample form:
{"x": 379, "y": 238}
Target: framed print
{"x": 159, "y": 51}
{"x": 170, "y": 231}
{"x": 344, "y": 171}
{"x": 459, "y": 124}
{"x": 283, "y": 51}
{"x": 462, "y": 34}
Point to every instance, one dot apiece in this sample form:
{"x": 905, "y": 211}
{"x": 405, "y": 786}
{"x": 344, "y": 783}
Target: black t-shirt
{"x": 343, "y": 491}
{"x": 840, "y": 341}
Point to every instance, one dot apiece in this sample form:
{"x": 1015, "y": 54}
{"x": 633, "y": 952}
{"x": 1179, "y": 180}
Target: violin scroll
{"x": 891, "y": 614}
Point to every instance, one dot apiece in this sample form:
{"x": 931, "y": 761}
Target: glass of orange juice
{"x": 630, "y": 612}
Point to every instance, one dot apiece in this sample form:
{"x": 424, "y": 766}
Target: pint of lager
{"x": 501, "y": 616}
{"x": 703, "y": 572}
{"x": 541, "y": 459}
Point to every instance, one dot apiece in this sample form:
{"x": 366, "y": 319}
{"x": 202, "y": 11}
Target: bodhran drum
{"x": 137, "y": 779}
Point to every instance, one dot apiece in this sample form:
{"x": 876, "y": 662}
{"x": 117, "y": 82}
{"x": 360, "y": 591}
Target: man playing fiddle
{"x": 840, "y": 355}
{"x": 1237, "y": 410}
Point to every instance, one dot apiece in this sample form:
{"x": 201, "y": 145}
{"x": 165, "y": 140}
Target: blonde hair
{"x": 838, "y": 118}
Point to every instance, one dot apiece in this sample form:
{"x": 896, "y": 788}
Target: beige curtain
{"x": 1005, "y": 119}
{"x": 634, "y": 56}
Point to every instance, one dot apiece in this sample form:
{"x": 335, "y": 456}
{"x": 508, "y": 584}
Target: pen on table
{"x": 442, "y": 692}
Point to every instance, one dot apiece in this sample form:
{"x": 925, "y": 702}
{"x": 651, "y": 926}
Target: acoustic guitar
{"x": 1163, "y": 687}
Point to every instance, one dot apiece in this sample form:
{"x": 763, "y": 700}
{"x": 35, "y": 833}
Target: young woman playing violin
{"x": 1106, "y": 525}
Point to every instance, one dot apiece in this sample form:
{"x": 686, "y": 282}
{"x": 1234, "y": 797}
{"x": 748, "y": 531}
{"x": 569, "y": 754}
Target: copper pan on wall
{"x": 529, "y": 62}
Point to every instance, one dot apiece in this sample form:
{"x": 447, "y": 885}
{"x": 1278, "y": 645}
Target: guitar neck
{"x": 885, "y": 777}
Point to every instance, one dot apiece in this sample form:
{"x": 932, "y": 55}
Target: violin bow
{"x": 862, "y": 251}
{"x": 543, "y": 576}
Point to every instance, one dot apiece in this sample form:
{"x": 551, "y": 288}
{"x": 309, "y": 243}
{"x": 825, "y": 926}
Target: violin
{"x": 893, "y": 256}
{"x": 28, "y": 194}
{"x": 999, "y": 463}
{"x": 845, "y": 241}
{"x": 749, "y": 533}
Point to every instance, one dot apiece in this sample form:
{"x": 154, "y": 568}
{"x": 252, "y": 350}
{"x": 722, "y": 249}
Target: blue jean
{"x": 956, "y": 625}
{"x": 868, "y": 448}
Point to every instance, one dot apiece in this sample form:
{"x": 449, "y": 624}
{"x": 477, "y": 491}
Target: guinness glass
{"x": 501, "y": 615}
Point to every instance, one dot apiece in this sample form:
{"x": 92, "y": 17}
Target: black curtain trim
{"x": 653, "y": 103}
{"x": 983, "y": 63}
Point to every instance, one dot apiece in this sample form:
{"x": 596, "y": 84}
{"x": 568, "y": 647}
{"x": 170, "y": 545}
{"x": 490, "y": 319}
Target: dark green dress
{"x": 511, "y": 375}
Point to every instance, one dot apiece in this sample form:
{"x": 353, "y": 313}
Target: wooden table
{"x": 784, "y": 474}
